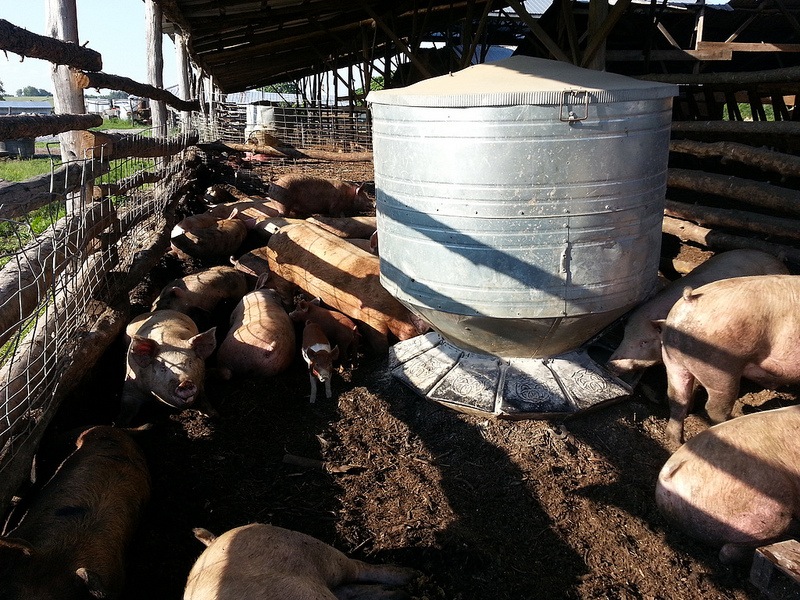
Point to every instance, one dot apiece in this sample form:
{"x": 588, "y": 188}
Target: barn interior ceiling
{"x": 246, "y": 44}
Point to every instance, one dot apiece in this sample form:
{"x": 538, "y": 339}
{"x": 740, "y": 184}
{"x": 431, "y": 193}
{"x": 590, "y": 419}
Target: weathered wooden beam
{"x": 668, "y": 54}
{"x": 116, "y": 82}
{"x": 17, "y": 199}
{"x": 287, "y": 152}
{"x": 25, "y": 43}
{"x": 115, "y": 145}
{"x": 780, "y": 134}
{"x": 538, "y": 31}
{"x": 754, "y": 193}
{"x": 748, "y": 47}
{"x": 735, "y": 219}
{"x": 761, "y": 158}
{"x": 27, "y": 126}
{"x": 398, "y": 42}
{"x": 689, "y": 232}
{"x": 742, "y": 79}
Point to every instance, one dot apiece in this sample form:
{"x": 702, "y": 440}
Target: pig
{"x": 298, "y": 195}
{"x": 202, "y": 290}
{"x": 272, "y": 563}
{"x": 71, "y": 543}
{"x": 641, "y": 344}
{"x": 206, "y": 236}
{"x": 166, "y": 360}
{"x": 736, "y": 484}
{"x": 345, "y": 277}
{"x": 261, "y": 340}
{"x": 319, "y": 356}
{"x": 726, "y": 330}
{"x": 338, "y": 327}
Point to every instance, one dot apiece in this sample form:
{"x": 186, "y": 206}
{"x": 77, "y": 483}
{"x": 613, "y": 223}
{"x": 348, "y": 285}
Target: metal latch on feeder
{"x": 573, "y": 98}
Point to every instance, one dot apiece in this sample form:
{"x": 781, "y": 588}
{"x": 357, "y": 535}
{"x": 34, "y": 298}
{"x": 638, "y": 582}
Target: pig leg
{"x": 721, "y": 400}
{"x": 680, "y": 391}
{"x": 313, "y": 381}
{"x": 328, "y": 392}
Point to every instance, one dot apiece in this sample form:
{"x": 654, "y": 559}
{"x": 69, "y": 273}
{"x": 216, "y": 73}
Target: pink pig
{"x": 298, "y": 195}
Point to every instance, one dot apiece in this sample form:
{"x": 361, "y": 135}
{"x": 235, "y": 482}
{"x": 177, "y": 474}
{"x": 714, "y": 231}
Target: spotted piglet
{"x": 319, "y": 357}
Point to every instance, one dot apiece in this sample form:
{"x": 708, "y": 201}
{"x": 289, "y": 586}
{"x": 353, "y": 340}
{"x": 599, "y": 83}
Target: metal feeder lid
{"x": 522, "y": 80}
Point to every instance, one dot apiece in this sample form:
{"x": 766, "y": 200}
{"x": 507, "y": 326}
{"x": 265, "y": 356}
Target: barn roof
{"x": 251, "y": 43}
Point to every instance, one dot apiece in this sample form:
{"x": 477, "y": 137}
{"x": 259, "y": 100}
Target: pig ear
{"x": 177, "y": 292}
{"x": 316, "y": 301}
{"x": 204, "y": 343}
{"x": 16, "y": 546}
{"x": 143, "y": 350}
{"x": 335, "y": 353}
{"x": 93, "y": 583}
{"x": 658, "y": 324}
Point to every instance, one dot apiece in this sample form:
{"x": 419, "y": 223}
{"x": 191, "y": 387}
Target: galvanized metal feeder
{"x": 519, "y": 208}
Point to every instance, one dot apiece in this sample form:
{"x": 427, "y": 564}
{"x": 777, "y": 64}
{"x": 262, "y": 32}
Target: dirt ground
{"x": 483, "y": 508}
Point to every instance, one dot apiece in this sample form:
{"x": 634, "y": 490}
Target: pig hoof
{"x": 732, "y": 554}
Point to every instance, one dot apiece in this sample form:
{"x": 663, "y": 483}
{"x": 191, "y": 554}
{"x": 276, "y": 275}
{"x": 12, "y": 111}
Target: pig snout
{"x": 187, "y": 391}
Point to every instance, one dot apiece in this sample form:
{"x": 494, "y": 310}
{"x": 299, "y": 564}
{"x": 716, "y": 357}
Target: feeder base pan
{"x": 519, "y": 388}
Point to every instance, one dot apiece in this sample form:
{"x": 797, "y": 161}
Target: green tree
{"x": 29, "y": 90}
{"x": 2, "y": 91}
{"x": 289, "y": 87}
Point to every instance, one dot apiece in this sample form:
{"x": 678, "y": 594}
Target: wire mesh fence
{"x": 60, "y": 264}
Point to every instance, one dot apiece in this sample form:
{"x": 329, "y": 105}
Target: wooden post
{"x": 182, "y": 58}
{"x": 598, "y": 11}
{"x": 155, "y": 64}
{"x": 62, "y": 24}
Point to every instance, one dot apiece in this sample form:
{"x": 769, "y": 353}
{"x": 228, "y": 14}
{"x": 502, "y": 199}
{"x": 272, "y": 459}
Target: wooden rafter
{"x": 538, "y": 32}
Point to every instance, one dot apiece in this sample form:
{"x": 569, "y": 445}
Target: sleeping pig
{"x": 261, "y": 340}
{"x": 71, "y": 543}
{"x": 720, "y": 332}
{"x": 299, "y": 195}
{"x": 202, "y": 290}
{"x": 641, "y": 345}
{"x": 737, "y": 484}
{"x": 207, "y": 236}
{"x": 166, "y": 360}
{"x": 272, "y": 563}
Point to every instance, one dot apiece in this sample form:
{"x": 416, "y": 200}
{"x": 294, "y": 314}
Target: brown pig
{"x": 272, "y": 563}
{"x": 319, "y": 356}
{"x": 207, "y": 236}
{"x": 726, "y": 330}
{"x": 71, "y": 543}
{"x": 338, "y": 328}
{"x": 344, "y": 277}
{"x": 641, "y": 345}
{"x": 737, "y": 484}
{"x": 166, "y": 360}
{"x": 261, "y": 340}
{"x": 202, "y": 290}
{"x": 299, "y": 195}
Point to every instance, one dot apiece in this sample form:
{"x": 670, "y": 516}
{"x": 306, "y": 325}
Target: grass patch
{"x": 23, "y": 169}
{"x": 114, "y": 123}
{"x": 747, "y": 112}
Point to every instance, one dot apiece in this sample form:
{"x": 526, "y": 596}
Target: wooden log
{"x": 735, "y": 219}
{"x": 19, "y": 198}
{"x": 27, "y": 126}
{"x": 25, "y": 43}
{"x": 287, "y": 152}
{"x": 116, "y": 82}
{"x": 114, "y": 145}
{"x": 761, "y": 158}
{"x": 26, "y": 279}
{"x": 689, "y": 232}
{"x": 740, "y": 79}
{"x": 62, "y": 23}
{"x": 754, "y": 193}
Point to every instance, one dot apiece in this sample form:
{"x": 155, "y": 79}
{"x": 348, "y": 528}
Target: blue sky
{"x": 115, "y": 28}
